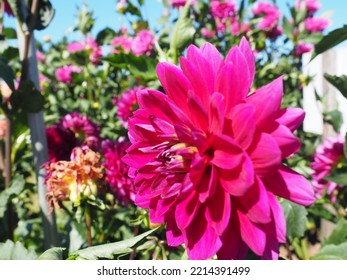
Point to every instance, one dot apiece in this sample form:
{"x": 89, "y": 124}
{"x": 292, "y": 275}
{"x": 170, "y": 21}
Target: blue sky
{"x": 105, "y": 14}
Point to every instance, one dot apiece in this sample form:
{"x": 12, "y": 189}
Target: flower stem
{"x": 88, "y": 225}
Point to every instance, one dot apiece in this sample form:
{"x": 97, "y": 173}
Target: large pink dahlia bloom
{"x": 207, "y": 156}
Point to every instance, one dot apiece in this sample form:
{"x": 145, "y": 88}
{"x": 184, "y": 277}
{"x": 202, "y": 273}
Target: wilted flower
{"x": 126, "y": 104}
{"x": 316, "y": 24}
{"x": 74, "y": 180}
{"x": 143, "y": 43}
{"x": 64, "y": 73}
{"x": 303, "y": 47}
{"x": 206, "y": 157}
{"x": 122, "y": 186}
{"x": 327, "y": 157}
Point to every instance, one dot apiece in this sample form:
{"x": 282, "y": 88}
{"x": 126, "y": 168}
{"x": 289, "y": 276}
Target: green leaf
{"x": 345, "y": 146}
{"x": 16, "y": 187}
{"x": 340, "y": 82}
{"x": 15, "y": 251}
{"x": 340, "y": 178}
{"x": 85, "y": 20}
{"x": 16, "y": 9}
{"x": 339, "y": 234}
{"x": 295, "y": 218}
{"x": 105, "y": 36}
{"x": 7, "y": 74}
{"x": 331, "y": 40}
{"x": 319, "y": 211}
{"x": 287, "y": 28}
{"x": 45, "y": 14}
{"x": 55, "y": 253}
{"x": 334, "y": 118}
{"x": 10, "y": 33}
{"x": 332, "y": 252}
{"x": 313, "y": 38}
{"x": 109, "y": 251}
{"x": 183, "y": 31}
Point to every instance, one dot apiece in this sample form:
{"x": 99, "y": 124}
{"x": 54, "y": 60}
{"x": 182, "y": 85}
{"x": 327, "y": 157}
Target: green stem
{"x": 88, "y": 225}
{"x": 8, "y": 168}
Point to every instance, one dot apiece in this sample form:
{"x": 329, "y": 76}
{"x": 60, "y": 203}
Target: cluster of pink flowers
{"x": 180, "y": 3}
{"x": 126, "y": 104}
{"x": 311, "y": 6}
{"x": 270, "y": 16}
{"x": 121, "y": 185}
{"x": 141, "y": 44}
{"x": 315, "y": 24}
{"x": 223, "y": 13}
{"x": 40, "y": 57}
{"x": 89, "y": 45}
{"x": 72, "y": 130}
{"x": 327, "y": 157}
{"x": 64, "y": 73}
{"x": 207, "y": 156}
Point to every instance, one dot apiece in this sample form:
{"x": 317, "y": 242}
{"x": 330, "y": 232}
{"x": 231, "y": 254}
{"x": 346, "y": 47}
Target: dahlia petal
{"x": 278, "y": 218}
{"x": 271, "y": 249}
{"x": 233, "y": 247}
{"x": 175, "y": 83}
{"x": 255, "y": 203}
{"x": 287, "y": 142}
{"x": 249, "y": 56}
{"x": 199, "y": 116}
{"x": 219, "y": 210}
{"x": 266, "y": 154}
{"x": 237, "y": 182}
{"x": 137, "y": 159}
{"x": 212, "y": 55}
{"x": 174, "y": 235}
{"x": 186, "y": 210}
{"x": 216, "y": 118}
{"x": 227, "y": 155}
{"x": 208, "y": 183}
{"x": 161, "y": 126}
{"x": 267, "y": 102}
{"x": 243, "y": 124}
{"x": 235, "y": 87}
{"x": 291, "y": 118}
{"x": 201, "y": 239}
{"x": 290, "y": 185}
{"x": 252, "y": 234}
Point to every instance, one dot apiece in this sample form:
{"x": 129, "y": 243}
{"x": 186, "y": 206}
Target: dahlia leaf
{"x": 340, "y": 179}
{"x": 332, "y": 252}
{"x": 184, "y": 30}
{"x": 339, "y": 82}
{"x": 109, "y": 251}
{"x": 55, "y": 253}
{"x": 295, "y": 218}
{"x": 15, "y": 188}
{"x": 339, "y": 234}
{"x": 15, "y": 251}
{"x": 7, "y": 74}
{"x": 334, "y": 118}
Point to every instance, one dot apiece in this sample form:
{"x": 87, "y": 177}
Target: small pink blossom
{"x": 237, "y": 28}
{"x": 270, "y": 15}
{"x": 44, "y": 81}
{"x": 3, "y": 128}
{"x": 302, "y": 48}
{"x": 89, "y": 45}
{"x": 143, "y": 43}
{"x": 223, "y": 10}
{"x": 311, "y": 6}
{"x": 180, "y": 3}
{"x": 123, "y": 43}
{"x": 64, "y": 73}
{"x": 207, "y": 33}
{"x": 122, "y": 186}
{"x": 316, "y": 24}
{"x": 40, "y": 57}
{"x": 326, "y": 158}
{"x": 207, "y": 156}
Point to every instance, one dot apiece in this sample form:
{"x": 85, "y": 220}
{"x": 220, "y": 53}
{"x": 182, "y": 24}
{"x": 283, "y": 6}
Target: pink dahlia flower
{"x": 207, "y": 33}
{"x": 302, "y": 48}
{"x": 117, "y": 171}
{"x": 207, "y": 155}
{"x": 64, "y": 73}
{"x": 126, "y": 105}
{"x": 223, "y": 10}
{"x": 123, "y": 43}
{"x": 237, "y": 28}
{"x": 89, "y": 45}
{"x": 311, "y": 6}
{"x": 143, "y": 43}
{"x": 326, "y": 158}
{"x": 180, "y": 3}
{"x": 270, "y": 14}
{"x": 313, "y": 25}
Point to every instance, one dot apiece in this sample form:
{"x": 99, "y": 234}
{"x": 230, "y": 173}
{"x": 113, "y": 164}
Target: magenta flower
{"x": 270, "y": 15}
{"x": 311, "y": 6}
{"x": 326, "y": 158}
{"x": 64, "y": 73}
{"x": 313, "y": 25}
{"x": 180, "y": 3}
{"x": 206, "y": 157}
{"x": 126, "y": 105}
{"x": 237, "y": 28}
{"x": 89, "y": 45}
{"x": 86, "y": 131}
{"x": 123, "y": 43}
{"x": 302, "y": 48}
{"x": 223, "y": 10}
{"x": 121, "y": 185}
{"x": 143, "y": 43}
{"x": 207, "y": 33}
{"x": 40, "y": 57}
